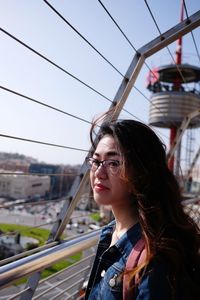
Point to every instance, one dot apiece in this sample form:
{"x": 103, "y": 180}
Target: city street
{"x": 45, "y": 215}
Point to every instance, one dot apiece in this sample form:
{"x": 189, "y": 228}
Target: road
{"x": 36, "y": 216}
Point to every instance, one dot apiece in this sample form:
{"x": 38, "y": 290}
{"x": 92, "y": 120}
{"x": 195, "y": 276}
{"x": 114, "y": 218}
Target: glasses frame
{"x": 91, "y": 161}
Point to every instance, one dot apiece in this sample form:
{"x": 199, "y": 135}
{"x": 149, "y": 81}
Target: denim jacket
{"x": 107, "y": 273}
{"x": 106, "y": 277}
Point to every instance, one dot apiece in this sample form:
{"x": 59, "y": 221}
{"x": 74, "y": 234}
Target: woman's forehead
{"x": 107, "y": 145}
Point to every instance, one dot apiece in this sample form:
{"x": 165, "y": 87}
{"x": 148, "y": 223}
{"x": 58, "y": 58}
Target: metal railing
{"x": 67, "y": 283}
{"x": 33, "y": 264}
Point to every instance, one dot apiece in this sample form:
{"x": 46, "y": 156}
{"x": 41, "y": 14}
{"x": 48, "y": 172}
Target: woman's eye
{"x": 113, "y": 164}
{"x": 95, "y": 163}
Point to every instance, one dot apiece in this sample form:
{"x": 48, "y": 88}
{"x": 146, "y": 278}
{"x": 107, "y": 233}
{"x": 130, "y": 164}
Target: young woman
{"x": 129, "y": 172}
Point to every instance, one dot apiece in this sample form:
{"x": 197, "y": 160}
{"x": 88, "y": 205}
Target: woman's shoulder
{"x": 109, "y": 227}
{"x": 107, "y": 230}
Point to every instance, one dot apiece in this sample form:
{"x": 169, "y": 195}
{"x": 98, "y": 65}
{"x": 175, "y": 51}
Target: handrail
{"x": 36, "y": 262}
{"x": 34, "y": 250}
{"x": 60, "y": 282}
{"x": 39, "y": 261}
{"x": 38, "y": 296}
{"x": 26, "y": 253}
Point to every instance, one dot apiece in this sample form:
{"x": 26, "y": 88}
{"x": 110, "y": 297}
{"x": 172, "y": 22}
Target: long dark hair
{"x": 166, "y": 228}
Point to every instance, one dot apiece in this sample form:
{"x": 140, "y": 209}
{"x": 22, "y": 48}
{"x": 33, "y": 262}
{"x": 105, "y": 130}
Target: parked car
{"x": 80, "y": 230}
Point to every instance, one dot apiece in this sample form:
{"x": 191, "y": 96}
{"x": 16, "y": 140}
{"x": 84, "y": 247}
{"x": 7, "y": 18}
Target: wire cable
{"x": 66, "y": 113}
{"x": 65, "y": 71}
{"x": 153, "y": 18}
{"x": 152, "y": 105}
{"x": 167, "y": 46}
{"x": 117, "y": 26}
{"x": 156, "y": 24}
{"x": 57, "y": 66}
{"x": 109, "y": 14}
{"x": 67, "y": 22}
{"x": 29, "y": 228}
{"x": 54, "y": 64}
{"x": 94, "y": 48}
{"x": 52, "y": 107}
{"x": 39, "y": 174}
{"x": 42, "y": 143}
{"x": 125, "y": 36}
{"x": 44, "y": 104}
{"x": 195, "y": 44}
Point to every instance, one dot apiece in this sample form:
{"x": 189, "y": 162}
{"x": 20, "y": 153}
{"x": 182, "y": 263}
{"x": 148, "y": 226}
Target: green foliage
{"x": 55, "y": 268}
{"x": 30, "y": 246}
{"x": 95, "y": 217}
{"x": 61, "y": 265}
{"x": 39, "y": 234}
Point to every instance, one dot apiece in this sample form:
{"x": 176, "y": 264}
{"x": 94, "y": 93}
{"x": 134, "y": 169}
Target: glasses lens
{"x": 112, "y": 165}
{"x": 92, "y": 163}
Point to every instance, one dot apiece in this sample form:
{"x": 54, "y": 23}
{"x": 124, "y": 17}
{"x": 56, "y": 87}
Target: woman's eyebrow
{"x": 109, "y": 153}
{"x": 112, "y": 153}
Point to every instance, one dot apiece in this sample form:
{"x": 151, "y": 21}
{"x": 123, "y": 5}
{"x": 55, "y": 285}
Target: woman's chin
{"x": 101, "y": 200}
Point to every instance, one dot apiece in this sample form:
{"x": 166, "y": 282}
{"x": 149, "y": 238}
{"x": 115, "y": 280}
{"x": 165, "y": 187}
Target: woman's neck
{"x": 125, "y": 219}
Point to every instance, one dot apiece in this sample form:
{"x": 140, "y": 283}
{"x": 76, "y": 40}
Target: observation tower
{"x": 175, "y": 94}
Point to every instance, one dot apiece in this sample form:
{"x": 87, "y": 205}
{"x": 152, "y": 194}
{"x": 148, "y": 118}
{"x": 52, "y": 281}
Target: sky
{"x": 37, "y": 25}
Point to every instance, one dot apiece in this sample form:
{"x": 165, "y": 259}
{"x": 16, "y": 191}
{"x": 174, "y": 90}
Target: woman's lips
{"x": 100, "y": 187}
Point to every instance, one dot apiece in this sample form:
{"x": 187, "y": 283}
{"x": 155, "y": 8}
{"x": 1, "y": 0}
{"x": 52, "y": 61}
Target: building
{"x": 19, "y": 185}
{"x": 61, "y": 176}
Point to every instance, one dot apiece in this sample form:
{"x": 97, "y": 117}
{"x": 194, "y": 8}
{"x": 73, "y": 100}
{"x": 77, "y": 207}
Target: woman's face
{"x": 108, "y": 188}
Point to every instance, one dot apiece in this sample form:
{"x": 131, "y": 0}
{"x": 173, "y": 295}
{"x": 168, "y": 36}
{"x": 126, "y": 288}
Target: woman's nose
{"x": 101, "y": 172}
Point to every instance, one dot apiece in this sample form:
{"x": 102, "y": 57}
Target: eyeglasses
{"x": 112, "y": 166}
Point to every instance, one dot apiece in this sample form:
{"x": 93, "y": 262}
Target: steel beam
{"x": 116, "y": 106}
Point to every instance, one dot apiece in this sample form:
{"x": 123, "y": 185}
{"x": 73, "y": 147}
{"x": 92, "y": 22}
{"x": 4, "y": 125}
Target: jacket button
{"x": 112, "y": 281}
{"x": 103, "y": 272}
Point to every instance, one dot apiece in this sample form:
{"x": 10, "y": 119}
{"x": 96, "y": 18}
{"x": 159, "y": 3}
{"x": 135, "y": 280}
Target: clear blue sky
{"x": 37, "y": 25}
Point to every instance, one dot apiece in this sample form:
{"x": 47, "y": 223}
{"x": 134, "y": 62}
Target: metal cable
{"x": 39, "y": 174}
{"x": 42, "y": 143}
{"x": 117, "y": 26}
{"x": 62, "y": 281}
{"x": 72, "y": 27}
{"x": 44, "y": 104}
{"x": 149, "y": 9}
{"x": 54, "y": 64}
{"x": 33, "y": 203}
{"x": 124, "y": 35}
{"x": 28, "y": 228}
{"x": 153, "y": 105}
{"x": 153, "y": 18}
{"x": 57, "y": 66}
{"x": 36, "y": 52}
{"x": 69, "y": 267}
{"x": 52, "y": 107}
{"x": 61, "y": 111}
{"x": 195, "y": 44}
{"x": 106, "y": 10}
{"x": 167, "y": 46}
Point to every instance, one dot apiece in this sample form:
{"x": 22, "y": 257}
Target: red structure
{"x": 173, "y": 97}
